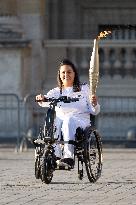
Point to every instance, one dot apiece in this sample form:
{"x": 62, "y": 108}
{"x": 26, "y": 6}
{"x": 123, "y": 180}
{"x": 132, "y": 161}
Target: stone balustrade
{"x": 117, "y": 57}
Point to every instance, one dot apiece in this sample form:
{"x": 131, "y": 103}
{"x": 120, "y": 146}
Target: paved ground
{"x": 117, "y": 184}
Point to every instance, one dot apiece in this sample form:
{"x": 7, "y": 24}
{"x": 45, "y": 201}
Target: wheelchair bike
{"x": 87, "y": 146}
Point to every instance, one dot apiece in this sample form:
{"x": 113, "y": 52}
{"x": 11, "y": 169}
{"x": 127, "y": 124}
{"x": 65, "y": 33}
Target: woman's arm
{"x": 54, "y": 93}
{"x": 95, "y": 110}
{"x": 40, "y": 99}
{"x": 92, "y": 101}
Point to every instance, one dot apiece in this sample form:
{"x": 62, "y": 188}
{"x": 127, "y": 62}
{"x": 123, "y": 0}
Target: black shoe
{"x": 69, "y": 162}
{"x": 57, "y": 161}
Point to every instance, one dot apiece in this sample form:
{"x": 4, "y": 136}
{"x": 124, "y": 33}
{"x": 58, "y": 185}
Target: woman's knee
{"x": 68, "y": 120}
{"x": 68, "y": 123}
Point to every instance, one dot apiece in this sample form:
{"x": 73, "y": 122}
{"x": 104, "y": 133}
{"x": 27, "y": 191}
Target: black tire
{"x": 92, "y": 154}
{"x": 47, "y": 169}
{"x": 37, "y": 168}
{"x": 80, "y": 174}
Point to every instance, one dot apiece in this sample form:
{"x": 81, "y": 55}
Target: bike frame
{"x": 49, "y": 127}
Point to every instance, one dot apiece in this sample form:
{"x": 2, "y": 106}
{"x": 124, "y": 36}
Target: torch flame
{"x": 103, "y": 34}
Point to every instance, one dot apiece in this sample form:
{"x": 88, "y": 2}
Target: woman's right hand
{"x": 40, "y": 98}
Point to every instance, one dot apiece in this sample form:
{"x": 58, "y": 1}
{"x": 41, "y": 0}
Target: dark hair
{"x": 76, "y": 83}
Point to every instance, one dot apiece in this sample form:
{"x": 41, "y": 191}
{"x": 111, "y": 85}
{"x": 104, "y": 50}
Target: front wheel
{"x": 37, "y": 168}
{"x": 92, "y": 154}
{"x": 47, "y": 168}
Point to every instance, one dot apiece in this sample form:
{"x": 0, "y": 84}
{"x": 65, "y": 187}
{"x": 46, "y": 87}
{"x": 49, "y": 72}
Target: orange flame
{"x": 103, "y": 34}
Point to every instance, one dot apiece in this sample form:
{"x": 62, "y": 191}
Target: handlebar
{"x": 64, "y": 99}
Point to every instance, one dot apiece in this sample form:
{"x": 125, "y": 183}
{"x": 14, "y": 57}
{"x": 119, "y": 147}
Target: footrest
{"x": 62, "y": 166}
{"x": 38, "y": 142}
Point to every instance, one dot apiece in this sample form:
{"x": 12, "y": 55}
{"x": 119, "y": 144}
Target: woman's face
{"x": 67, "y": 75}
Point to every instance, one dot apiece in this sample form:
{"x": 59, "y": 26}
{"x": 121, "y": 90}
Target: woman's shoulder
{"x": 55, "y": 90}
{"x": 84, "y": 86}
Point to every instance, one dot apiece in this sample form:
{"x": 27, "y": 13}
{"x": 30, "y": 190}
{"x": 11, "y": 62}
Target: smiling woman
{"x": 70, "y": 116}
{"x": 67, "y": 76}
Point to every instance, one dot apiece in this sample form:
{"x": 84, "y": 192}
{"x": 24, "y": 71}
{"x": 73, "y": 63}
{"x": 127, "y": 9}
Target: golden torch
{"x": 94, "y": 64}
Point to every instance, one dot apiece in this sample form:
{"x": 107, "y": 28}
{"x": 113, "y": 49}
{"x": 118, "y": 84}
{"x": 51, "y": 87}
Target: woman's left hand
{"x": 94, "y": 100}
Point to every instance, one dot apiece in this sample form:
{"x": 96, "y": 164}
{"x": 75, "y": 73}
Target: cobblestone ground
{"x": 117, "y": 184}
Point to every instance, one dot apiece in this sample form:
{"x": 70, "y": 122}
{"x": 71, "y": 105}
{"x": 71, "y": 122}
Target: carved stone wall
{"x": 10, "y": 65}
{"x": 21, "y": 26}
{"x": 32, "y": 15}
{"x": 38, "y": 20}
{"x": 81, "y": 19}
{"x": 30, "y": 51}
{"x": 8, "y": 7}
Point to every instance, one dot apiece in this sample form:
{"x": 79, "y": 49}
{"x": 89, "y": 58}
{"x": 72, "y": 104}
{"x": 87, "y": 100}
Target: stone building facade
{"x": 36, "y": 34}
{"x": 76, "y": 23}
{"x": 22, "y": 55}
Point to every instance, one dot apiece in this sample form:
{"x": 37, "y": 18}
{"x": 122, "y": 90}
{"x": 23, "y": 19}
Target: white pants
{"x": 68, "y": 128}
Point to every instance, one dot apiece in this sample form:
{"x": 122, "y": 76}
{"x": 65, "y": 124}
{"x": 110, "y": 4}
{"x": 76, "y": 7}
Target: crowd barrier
{"x": 117, "y": 120}
{"x": 22, "y": 120}
{"x": 10, "y": 118}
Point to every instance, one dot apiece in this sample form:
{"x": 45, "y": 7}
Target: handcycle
{"x": 87, "y": 146}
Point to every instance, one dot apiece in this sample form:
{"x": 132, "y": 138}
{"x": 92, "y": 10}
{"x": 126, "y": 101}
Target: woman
{"x": 70, "y": 116}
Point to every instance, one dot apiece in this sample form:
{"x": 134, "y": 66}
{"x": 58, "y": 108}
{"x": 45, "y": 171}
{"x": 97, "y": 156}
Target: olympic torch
{"x": 94, "y": 64}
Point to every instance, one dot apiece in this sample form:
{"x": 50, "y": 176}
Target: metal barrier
{"x": 34, "y": 117}
{"x": 118, "y": 115}
{"x": 10, "y": 117}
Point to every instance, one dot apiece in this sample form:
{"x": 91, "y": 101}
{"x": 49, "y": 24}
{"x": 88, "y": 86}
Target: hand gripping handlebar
{"x": 64, "y": 99}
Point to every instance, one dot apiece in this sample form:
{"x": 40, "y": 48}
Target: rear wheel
{"x": 92, "y": 154}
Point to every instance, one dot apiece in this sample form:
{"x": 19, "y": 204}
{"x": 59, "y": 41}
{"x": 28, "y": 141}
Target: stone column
{"x": 31, "y": 13}
{"x": 54, "y": 19}
{"x": 70, "y": 22}
{"x": 106, "y": 63}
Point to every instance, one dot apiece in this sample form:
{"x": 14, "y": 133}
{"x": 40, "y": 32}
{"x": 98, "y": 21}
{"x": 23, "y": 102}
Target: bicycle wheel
{"x": 92, "y": 154}
{"x": 37, "y": 168}
{"x": 47, "y": 168}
